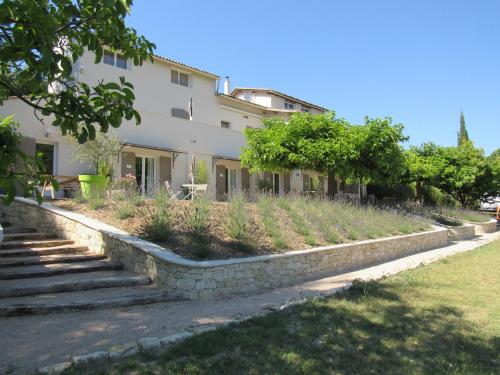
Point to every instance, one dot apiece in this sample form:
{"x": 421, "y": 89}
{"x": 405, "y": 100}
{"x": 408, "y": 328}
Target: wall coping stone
{"x": 169, "y": 256}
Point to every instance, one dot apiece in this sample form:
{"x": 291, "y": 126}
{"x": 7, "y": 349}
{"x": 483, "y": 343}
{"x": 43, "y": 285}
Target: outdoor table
{"x": 192, "y": 190}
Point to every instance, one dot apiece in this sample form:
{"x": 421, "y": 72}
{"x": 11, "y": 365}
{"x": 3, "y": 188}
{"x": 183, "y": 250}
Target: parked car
{"x": 490, "y": 202}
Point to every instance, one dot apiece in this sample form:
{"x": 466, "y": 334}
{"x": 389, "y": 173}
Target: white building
{"x": 183, "y": 114}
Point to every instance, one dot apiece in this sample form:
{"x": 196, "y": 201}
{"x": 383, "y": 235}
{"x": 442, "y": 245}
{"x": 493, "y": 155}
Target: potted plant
{"x": 101, "y": 153}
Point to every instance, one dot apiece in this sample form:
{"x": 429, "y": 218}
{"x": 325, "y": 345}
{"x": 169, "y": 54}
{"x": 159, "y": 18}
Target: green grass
{"x": 443, "y": 318}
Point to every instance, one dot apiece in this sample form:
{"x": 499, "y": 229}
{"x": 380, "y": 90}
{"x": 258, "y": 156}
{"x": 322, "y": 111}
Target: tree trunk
{"x": 332, "y": 184}
{"x": 418, "y": 191}
{"x": 360, "y": 190}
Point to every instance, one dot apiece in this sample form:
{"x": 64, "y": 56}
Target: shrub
{"x": 123, "y": 188}
{"x": 265, "y": 203}
{"x": 295, "y": 208}
{"x": 264, "y": 185}
{"x": 101, "y": 152}
{"x": 78, "y": 196}
{"x": 201, "y": 173}
{"x": 124, "y": 211}
{"x": 96, "y": 202}
{"x": 158, "y": 225}
{"x": 237, "y": 219}
{"x": 197, "y": 220}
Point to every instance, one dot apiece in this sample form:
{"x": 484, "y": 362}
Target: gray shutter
{"x": 321, "y": 187}
{"x": 128, "y": 163}
{"x": 165, "y": 169}
{"x": 306, "y": 182}
{"x": 220, "y": 182}
{"x": 286, "y": 183}
{"x": 342, "y": 186}
{"x": 28, "y": 147}
{"x": 245, "y": 180}
{"x": 180, "y": 113}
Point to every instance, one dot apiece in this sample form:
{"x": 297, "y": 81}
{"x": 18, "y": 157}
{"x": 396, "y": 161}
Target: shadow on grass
{"x": 367, "y": 330}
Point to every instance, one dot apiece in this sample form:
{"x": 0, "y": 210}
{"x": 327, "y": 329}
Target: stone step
{"x": 17, "y": 236}
{"x": 82, "y": 300}
{"x": 57, "y": 269}
{"x": 39, "y": 251}
{"x": 34, "y": 243}
{"x": 11, "y": 229}
{"x": 71, "y": 283}
{"x": 49, "y": 259}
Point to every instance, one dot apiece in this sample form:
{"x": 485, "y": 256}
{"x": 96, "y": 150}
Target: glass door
{"x": 145, "y": 174}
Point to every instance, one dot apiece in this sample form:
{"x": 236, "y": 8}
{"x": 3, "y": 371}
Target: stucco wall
{"x": 192, "y": 279}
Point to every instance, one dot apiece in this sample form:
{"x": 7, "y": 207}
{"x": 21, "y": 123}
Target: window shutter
{"x": 128, "y": 163}
{"x": 165, "y": 169}
{"x": 321, "y": 187}
{"x": 306, "y": 182}
{"x": 180, "y": 113}
{"x": 245, "y": 180}
{"x": 286, "y": 183}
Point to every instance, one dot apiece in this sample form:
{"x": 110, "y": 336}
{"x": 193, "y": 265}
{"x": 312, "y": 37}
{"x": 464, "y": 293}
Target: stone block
{"x": 149, "y": 344}
{"x": 90, "y": 360}
{"x": 122, "y": 351}
{"x": 175, "y": 338}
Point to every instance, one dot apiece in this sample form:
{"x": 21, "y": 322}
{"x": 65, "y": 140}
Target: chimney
{"x": 227, "y": 86}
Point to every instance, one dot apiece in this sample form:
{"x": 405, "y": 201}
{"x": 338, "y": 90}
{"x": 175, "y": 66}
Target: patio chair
{"x": 170, "y": 191}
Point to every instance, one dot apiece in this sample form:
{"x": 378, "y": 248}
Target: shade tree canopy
{"x": 327, "y": 144}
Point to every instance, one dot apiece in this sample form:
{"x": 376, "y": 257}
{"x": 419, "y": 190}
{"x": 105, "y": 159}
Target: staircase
{"x": 40, "y": 274}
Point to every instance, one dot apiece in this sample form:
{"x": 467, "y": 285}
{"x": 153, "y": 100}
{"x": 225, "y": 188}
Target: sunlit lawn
{"x": 443, "y": 318}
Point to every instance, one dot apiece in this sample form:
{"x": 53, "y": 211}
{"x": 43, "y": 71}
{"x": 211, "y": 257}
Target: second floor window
{"x": 180, "y": 113}
{"x": 225, "y": 124}
{"x": 306, "y": 110}
{"x": 179, "y": 78}
{"x": 110, "y": 58}
{"x": 288, "y": 105}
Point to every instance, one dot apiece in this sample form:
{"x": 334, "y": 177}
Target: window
{"x": 179, "y": 78}
{"x": 109, "y": 58}
{"x": 225, "y": 124}
{"x": 121, "y": 61}
{"x": 289, "y": 105}
{"x": 46, "y": 153}
{"x": 180, "y": 113}
{"x": 306, "y": 110}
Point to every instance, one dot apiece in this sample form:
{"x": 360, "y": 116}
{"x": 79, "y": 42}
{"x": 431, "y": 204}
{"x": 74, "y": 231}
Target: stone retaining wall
{"x": 462, "y": 232}
{"x": 489, "y": 227}
{"x": 185, "y": 278}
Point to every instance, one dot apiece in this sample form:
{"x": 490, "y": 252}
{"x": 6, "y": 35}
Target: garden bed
{"x": 216, "y": 230}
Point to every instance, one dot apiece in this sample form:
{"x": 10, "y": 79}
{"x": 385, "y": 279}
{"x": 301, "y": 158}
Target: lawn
{"x": 442, "y": 318}
{"x": 218, "y": 230}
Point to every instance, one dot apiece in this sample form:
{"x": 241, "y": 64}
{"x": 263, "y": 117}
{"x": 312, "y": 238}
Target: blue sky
{"x": 420, "y": 62}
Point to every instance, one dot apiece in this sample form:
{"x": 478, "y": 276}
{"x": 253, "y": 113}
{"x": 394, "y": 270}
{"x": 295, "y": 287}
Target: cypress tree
{"x": 462, "y": 134}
